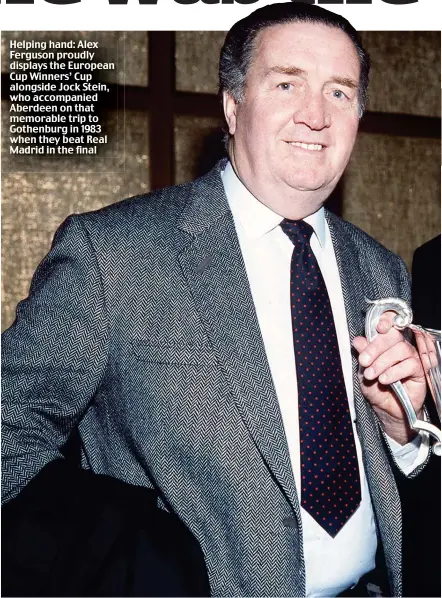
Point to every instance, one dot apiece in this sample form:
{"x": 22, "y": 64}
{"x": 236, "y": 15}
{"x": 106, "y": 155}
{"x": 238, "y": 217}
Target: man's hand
{"x": 390, "y": 358}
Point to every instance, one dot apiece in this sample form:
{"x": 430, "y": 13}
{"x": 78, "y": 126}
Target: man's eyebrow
{"x": 295, "y": 71}
{"x": 346, "y": 81}
{"x": 286, "y": 70}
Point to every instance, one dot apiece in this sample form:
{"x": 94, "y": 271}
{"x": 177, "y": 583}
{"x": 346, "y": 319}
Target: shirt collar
{"x": 256, "y": 218}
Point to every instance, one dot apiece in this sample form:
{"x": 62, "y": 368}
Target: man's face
{"x": 294, "y": 131}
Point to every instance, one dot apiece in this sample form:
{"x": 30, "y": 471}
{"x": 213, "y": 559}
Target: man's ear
{"x": 230, "y": 106}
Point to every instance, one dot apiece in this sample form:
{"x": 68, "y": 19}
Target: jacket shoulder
{"x": 157, "y": 213}
{"x": 145, "y": 211}
{"x": 362, "y": 240}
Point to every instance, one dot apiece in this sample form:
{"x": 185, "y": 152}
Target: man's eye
{"x": 285, "y": 86}
{"x": 338, "y": 94}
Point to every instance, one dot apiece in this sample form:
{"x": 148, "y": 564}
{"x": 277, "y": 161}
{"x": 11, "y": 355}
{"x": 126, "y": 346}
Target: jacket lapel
{"x": 358, "y": 284}
{"x": 213, "y": 266}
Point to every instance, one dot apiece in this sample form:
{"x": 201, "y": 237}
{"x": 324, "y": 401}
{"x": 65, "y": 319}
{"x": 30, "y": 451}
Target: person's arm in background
{"x": 426, "y": 282}
{"x": 421, "y": 496}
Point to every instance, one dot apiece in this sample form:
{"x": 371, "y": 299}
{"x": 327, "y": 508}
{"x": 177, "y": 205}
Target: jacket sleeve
{"x": 404, "y": 281}
{"x": 53, "y": 357}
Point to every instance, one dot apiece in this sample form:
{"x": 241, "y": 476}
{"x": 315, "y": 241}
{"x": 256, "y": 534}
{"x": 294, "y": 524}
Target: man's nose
{"x": 313, "y": 112}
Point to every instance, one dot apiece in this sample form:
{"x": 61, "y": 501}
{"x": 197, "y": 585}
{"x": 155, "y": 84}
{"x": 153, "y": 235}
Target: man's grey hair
{"x": 237, "y": 51}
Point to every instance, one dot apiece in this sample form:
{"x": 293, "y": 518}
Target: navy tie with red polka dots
{"x": 330, "y": 484}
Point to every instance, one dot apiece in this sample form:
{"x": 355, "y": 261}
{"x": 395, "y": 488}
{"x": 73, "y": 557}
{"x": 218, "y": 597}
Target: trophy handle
{"x": 401, "y": 321}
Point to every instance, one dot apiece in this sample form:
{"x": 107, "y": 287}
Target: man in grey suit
{"x": 162, "y": 327}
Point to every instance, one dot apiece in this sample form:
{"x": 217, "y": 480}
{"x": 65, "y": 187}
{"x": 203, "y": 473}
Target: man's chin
{"x": 310, "y": 185}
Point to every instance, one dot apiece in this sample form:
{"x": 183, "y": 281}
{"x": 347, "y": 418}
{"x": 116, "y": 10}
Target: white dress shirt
{"x": 332, "y": 564}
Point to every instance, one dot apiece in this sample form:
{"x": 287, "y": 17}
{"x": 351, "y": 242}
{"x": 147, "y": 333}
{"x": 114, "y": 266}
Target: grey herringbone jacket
{"x": 140, "y": 328}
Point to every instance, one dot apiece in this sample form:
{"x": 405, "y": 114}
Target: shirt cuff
{"x": 410, "y": 455}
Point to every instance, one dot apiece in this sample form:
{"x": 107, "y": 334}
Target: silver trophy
{"x": 428, "y": 343}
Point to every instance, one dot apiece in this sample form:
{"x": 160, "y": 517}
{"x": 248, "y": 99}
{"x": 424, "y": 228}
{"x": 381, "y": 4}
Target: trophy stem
{"x": 429, "y": 347}
{"x": 415, "y": 423}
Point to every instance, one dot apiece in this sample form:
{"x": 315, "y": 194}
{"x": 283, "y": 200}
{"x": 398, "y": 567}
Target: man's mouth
{"x": 314, "y": 147}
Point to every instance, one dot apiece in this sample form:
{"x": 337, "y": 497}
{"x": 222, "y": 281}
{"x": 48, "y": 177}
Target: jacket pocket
{"x": 171, "y": 353}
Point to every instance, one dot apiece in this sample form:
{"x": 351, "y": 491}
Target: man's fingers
{"x": 379, "y": 345}
{"x": 359, "y": 343}
{"x": 400, "y": 352}
{"x": 409, "y": 368}
{"x": 386, "y": 322}
{"x": 384, "y": 326}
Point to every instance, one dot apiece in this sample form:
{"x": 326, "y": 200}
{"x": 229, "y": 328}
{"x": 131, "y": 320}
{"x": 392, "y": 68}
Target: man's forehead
{"x": 293, "y": 37}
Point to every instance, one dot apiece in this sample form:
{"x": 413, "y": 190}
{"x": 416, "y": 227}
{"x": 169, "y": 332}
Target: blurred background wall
{"x": 164, "y": 108}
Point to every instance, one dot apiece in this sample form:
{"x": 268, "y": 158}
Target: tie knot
{"x": 298, "y": 231}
